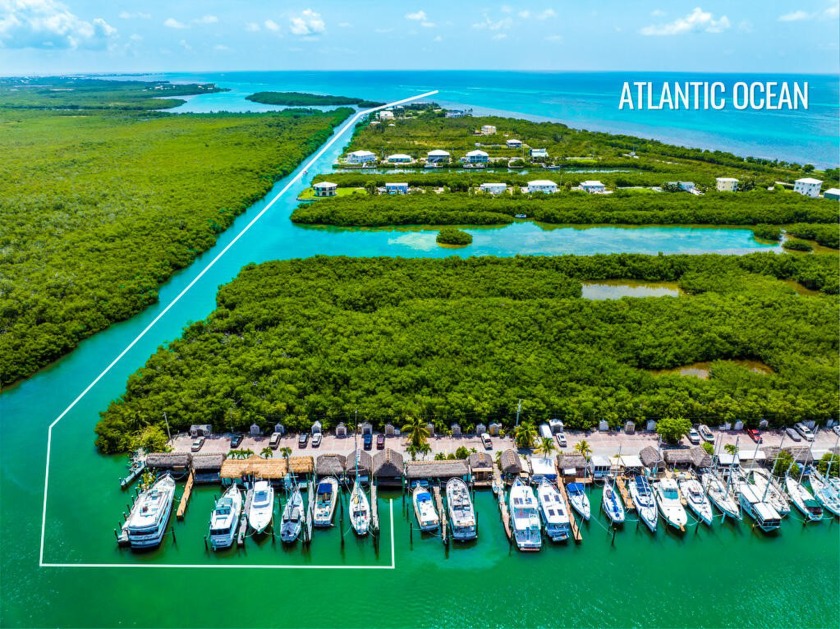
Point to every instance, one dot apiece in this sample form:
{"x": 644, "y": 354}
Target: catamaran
{"x": 720, "y": 495}
{"x": 555, "y": 515}
{"x": 643, "y": 499}
{"x": 424, "y": 509}
{"x": 224, "y": 519}
{"x": 826, "y": 491}
{"x": 290, "y": 522}
{"x": 327, "y": 495}
{"x": 611, "y": 503}
{"x": 525, "y": 521}
{"x": 769, "y": 491}
{"x": 578, "y": 499}
{"x": 262, "y": 506}
{"x": 359, "y": 509}
{"x": 803, "y": 499}
{"x": 668, "y": 498}
{"x": 461, "y": 510}
{"x": 765, "y": 516}
{"x": 696, "y": 498}
{"x": 149, "y": 516}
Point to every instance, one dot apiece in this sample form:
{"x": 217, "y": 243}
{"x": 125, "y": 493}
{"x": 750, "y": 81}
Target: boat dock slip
{"x": 374, "y": 508}
{"x": 185, "y": 497}
{"x": 621, "y": 483}
{"x": 576, "y": 534}
{"x": 441, "y": 513}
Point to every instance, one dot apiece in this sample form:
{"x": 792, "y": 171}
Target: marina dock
{"x": 185, "y": 497}
{"x": 576, "y": 534}
{"x": 441, "y": 513}
{"x": 374, "y": 509}
{"x": 621, "y": 483}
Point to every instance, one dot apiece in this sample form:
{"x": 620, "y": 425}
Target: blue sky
{"x": 51, "y": 36}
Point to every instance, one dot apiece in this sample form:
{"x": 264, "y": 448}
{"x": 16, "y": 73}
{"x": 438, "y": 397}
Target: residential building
{"x": 726, "y": 184}
{"x": 477, "y": 157}
{"x": 437, "y": 157}
{"x": 361, "y": 157}
{"x": 455, "y": 113}
{"x": 493, "y": 188}
{"x": 539, "y": 153}
{"x": 399, "y": 158}
{"x": 514, "y": 144}
{"x": 396, "y": 188}
{"x": 807, "y": 186}
{"x": 325, "y": 189}
{"x": 542, "y": 185}
{"x": 832, "y": 193}
{"x": 593, "y": 187}
{"x": 488, "y": 129}
{"x": 386, "y": 114}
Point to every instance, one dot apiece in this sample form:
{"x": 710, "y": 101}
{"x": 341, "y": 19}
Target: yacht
{"x": 692, "y": 491}
{"x": 327, "y": 495}
{"x": 149, "y": 516}
{"x": 554, "y": 512}
{"x": 524, "y": 520}
{"x": 578, "y": 499}
{"x": 424, "y": 509}
{"x": 262, "y": 506}
{"x": 670, "y": 506}
{"x": 721, "y": 497}
{"x": 765, "y": 516}
{"x": 611, "y": 503}
{"x": 224, "y": 519}
{"x": 803, "y": 499}
{"x": 292, "y": 519}
{"x": 359, "y": 509}
{"x": 826, "y": 491}
{"x": 769, "y": 491}
{"x": 461, "y": 510}
{"x": 644, "y": 501}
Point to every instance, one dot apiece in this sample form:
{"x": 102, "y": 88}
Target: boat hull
{"x": 427, "y": 518}
{"x": 143, "y": 535}
{"x": 461, "y": 511}
{"x": 220, "y": 541}
{"x": 325, "y": 509}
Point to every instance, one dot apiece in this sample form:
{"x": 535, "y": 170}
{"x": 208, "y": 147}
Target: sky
{"x": 772, "y": 36}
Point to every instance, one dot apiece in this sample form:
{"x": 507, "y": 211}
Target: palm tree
{"x": 417, "y": 431}
{"x": 525, "y": 434}
{"x": 583, "y": 448}
{"x": 545, "y": 446}
{"x": 730, "y": 449}
{"x": 267, "y": 452}
{"x": 286, "y": 452}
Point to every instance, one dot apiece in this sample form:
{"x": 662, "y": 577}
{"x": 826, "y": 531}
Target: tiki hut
{"x": 678, "y": 457}
{"x": 174, "y": 461}
{"x": 510, "y": 464}
{"x": 330, "y": 465}
{"x": 207, "y": 468}
{"x": 572, "y": 465}
{"x": 481, "y": 467}
{"x": 437, "y": 470}
{"x": 700, "y": 458}
{"x": 266, "y": 469}
{"x": 650, "y": 457}
{"x": 301, "y": 465}
{"x": 387, "y": 467}
{"x": 365, "y": 464}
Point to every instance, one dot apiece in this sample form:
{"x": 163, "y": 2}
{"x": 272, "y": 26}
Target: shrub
{"x": 452, "y": 236}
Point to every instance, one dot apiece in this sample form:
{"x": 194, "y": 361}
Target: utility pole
{"x": 166, "y": 419}
{"x": 518, "y": 411}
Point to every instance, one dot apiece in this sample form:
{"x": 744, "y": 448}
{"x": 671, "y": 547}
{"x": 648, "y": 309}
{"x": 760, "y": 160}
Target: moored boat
{"x": 525, "y": 521}
{"x": 643, "y": 500}
{"x": 765, "y": 516}
{"x": 262, "y": 506}
{"x": 803, "y": 499}
{"x": 461, "y": 510}
{"x": 292, "y": 519}
{"x": 359, "y": 509}
{"x": 721, "y": 497}
{"x": 826, "y": 491}
{"x": 578, "y": 499}
{"x": 225, "y": 518}
{"x": 149, "y": 516}
{"x": 769, "y": 491}
{"x": 670, "y": 506}
{"x": 424, "y": 509}
{"x": 554, "y": 513}
{"x": 611, "y": 504}
{"x": 326, "y": 497}
{"x": 696, "y": 499}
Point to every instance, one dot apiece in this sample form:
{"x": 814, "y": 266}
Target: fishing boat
{"x": 149, "y": 516}
{"x": 667, "y": 494}
{"x": 262, "y": 506}
{"x": 803, "y": 499}
{"x": 461, "y": 510}
{"x": 642, "y": 495}
{"x": 525, "y": 521}
{"x": 359, "y": 509}
{"x": 769, "y": 491}
{"x": 826, "y": 491}
{"x": 611, "y": 504}
{"x": 765, "y": 516}
{"x": 224, "y": 518}
{"x": 136, "y": 467}
{"x": 555, "y": 515}
{"x": 578, "y": 499}
{"x": 718, "y": 492}
{"x": 326, "y": 497}
{"x": 694, "y": 495}
{"x": 292, "y": 518}
{"x": 424, "y": 509}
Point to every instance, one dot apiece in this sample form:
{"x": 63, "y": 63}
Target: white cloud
{"x": 524, "y": 14}
{"x": 500, "y": 36}
{"x": 137, "y": 15}
{"x": 698, "y": 21}
{"x": 171, "y": 22}
{"x": 418, "y": 16}
{"x": 831, "y": 13}
{"x": 49, "y": 24}
{"x": 221, "y": 47}
{"x": 271, "y": 25}
{"x": 307, "y": 23}
{"x": 492, "y": 25}
{"x": 252, "y": 27}
{"x": 796, "y": 16}
{"x": 547, "y": 14}
{"x": 206, "y": 19}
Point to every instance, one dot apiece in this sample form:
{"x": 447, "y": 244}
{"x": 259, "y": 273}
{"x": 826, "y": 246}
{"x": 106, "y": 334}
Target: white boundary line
{"x": 349, "y": 124}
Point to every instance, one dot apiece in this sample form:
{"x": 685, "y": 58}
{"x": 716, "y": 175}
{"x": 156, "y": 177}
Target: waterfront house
{"x": 629, "y": 463}
{"x": 808, "y": 186}
{"x": 493, "y": 188}
{"x": 200, "y": 430}
{"x": 542, "y": 185}
{"x": 438, "y": 156}
{"x": 207, "y": 467}
{"x": 361, "y": 157}
{"x": 514, "y": 144}
{"x": 365, "y": 465}
{"x": 510, "y": 465}
{"x": 726, "y": 184}
{"x": 330, "y": 465}
{"x": 572, "y": 465}
{"x": 396, "y": 188}
{"x": 488, "y": 129}
{"x": 399, "y": 158}
{"x": 169, "y": 461}
{"x": 538, "y": 153}
{"x": 325, "y": 189}
{"x": 477, "y": 157}
{"x": 386, "y": 114}
{"x": 593, "y": 187}
{"x": 436, "y": 470}
{"x": 543, "y": 467}
{"x": 387, "y": 468}
{"x": 599, "y": 467}
{"x": 650, "y": 457}
{"x": 481, "y": 468}
{"x": 832, "y": 193}
{"x": 455, "y": 113}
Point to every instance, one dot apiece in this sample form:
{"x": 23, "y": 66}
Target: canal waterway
{"x": 727, "y": 575}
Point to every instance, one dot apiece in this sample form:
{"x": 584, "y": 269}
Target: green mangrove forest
{"x": 304, "y": 99}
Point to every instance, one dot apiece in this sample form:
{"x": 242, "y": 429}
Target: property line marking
{"x": 300, "y": 171}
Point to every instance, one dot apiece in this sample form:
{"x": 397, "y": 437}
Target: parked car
{"x": 380, "y": 442}
{"x": 694, "y": 436}
{"x": 836, "y": 429}
{"x": 705, "y": 433}
{"x": 274, "y": 441}
{"x": 794, "y": 436}
{"x": 803, "y": 430}
{"x": 753, "y": 434}
{"x": 561, "y": 439}
{"x": 367, "y": 440}
{"x": 236, "y": 440}
{"x": 316, "y": 439}
{"x": 486, "y": 441}
{"x": 196, "y": 445}
{"x": 303, "y": 439}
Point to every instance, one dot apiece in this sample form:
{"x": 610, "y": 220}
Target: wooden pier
{"x": 441, "y": 514}
{"x": 185, "y": 497}
{"x": 500, "y": 499}
{"x": 576, "y": 534}
{"x": 374, "y": 509}
{"x": 621, "y": 483}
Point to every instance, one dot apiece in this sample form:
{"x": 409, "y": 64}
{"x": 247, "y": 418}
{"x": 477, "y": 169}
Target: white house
{"x": 593, "y": 187}
{"x": 387, "y": 114}
{"x": 437, "y": 157}
{"x": 832, "y": 193}
{"x": 488, "y": 129}
{"x": 726, "y": 184}
{"x": 477, "y": 157}
{"x": 807, "y": 186}
{"x": 542, "y": 185}
{"x": 396, "y": 188}
{"x": 493, "y": 188}
{"x": 514, "y": 144}
{"x": 361, "y": 157}
{"x": 539, "y": 153}
{"x": 455, "y": 113}
{"x": 325, "y": 189}
{"x": 399, "y": 158}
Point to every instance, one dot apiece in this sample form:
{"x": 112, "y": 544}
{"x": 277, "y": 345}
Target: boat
{"x": 826, "y": 491}
{"x": 262, "y": 506}
{"x": 555, "y": 515}
{"x": 765, "y": 516}
{"x": 578, "y": 499}
{"x": 525, "y": 521}
{"x": 136, "y": 467}
{"x": 424, "y": 509}
{"x": 611, "y": 504}
{"x": 359, "y": 509}
{"x": 224, "y": 518}
{"x": 769, "y": 491}
{"x": 326, "y": 497}
{"x": 803, "y": 499}
{"x": 292, "y": 518}
{"x": 149, "y": 516}
{"x": 692, "y": 491}
{"x": 461, "y": 510}
{"x": 645, "y": 503}
{"x": 667, "y": 494}
{"x": 718, "y": 492}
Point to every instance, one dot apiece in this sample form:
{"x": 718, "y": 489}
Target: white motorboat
{"x": 325, "y": 500}
{"x": 359, "y": 509}
{"x": 225, "y": 518}
{"x": 424, "y": 509}
{"x": 262, "y": 506}
{"x": 645, "y": 503}
{"x": 694, "y": 495}
{"x": 670, "y": 506}
{"x": 765, "y": 516}
{"x": 461, "y": 510}
{"x": 611, "y": 504}
{"x": 769, "y": 491}
{"x": 149, "y": 516}
{"x": 721, "y": 497}
{"x": 803, "y": 499}
{"x": 292, "y": 518}
{"x": 554, "y": 512}
{"x": 826, "y": 491}
{"x": 524, "y": 518}
{"x": 578, "y": 499}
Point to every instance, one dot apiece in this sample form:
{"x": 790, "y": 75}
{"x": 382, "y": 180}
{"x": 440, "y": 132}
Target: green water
{"x": 724, "y": 576}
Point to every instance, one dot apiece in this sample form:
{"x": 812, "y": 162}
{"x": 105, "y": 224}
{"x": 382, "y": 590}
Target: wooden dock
{"x": 576, "y": 534}
{"x": 621, "y": 483}
{"x": 441, "y": 514}
{"x": 185, "y": 497}
{"x": 500, "y": 497}
{"x": 374, "y": 509}
{"x": 310, "y": 513}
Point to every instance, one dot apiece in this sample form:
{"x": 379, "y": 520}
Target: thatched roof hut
{"x": 650, "y": 456}
{"x": 388, "y": 466}
{"x": 168, "y": 460}
{"x": 436, "y": 469}
{"x": 365, "y": 463}
{"x": 576, "y": 462}
{"x": 480, "y": 462}
{"x": 330, "y": 465}
{"x": 268, "y": 469}
{"x": 700, "y": 458}
{"x": 301, "y": 464}
{"x": 678, "y": 457}
{"x": 510, "y": 463}
{"x": 207, "y": 462}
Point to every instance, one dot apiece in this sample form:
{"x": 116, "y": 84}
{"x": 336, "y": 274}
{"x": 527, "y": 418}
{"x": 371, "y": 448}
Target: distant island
{"x": 302, "y": 99}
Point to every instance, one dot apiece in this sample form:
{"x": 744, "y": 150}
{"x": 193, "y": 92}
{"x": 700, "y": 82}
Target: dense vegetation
{"x": 463, "y": 340}
{"x": 303, "y": 99}
{"x": 98, "y": 208}
{"x": 452, "y": 236}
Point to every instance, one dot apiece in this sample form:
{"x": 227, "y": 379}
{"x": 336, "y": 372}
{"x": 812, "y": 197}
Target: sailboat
{"x": 578, "y": 499}
{"x": 525, "y": 521}
{"x": 326, "y": 497}
{"x": 224, "y": 519}
{"x": 718, "y": 492}
{"x": 424, "y": 509}
{"x": 826, "y": 491}
{"x": 768, "y": 491}
{"x": 670, "y": 506}
{"x": 765, "y": 516}
{"x": 291, "y": 521}
{"x": 262, "y": 506}
{"x": 555, "y": 515}
{"x": 642, "y": 495}
{"x": 803, "y": 499}
{"x": 149, "y": 516}
{"x": 694, "y": 495}
{"x": 461, "y": 510}
{"x": 611, "y": 503}
{"x": 359, "y": 508}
